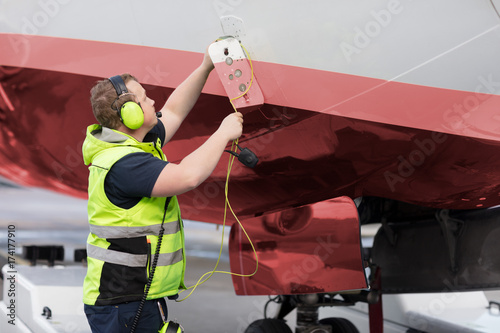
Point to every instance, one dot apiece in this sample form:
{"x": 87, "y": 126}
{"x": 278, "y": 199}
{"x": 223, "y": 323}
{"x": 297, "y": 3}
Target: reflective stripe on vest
{"x": 117, "y": 257}
{"x": 166, "y": 259}
{"x": 131, "y": 232}
{"x": 131, "y": 260}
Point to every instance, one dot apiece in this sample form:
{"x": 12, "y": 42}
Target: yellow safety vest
{"x": 122, "y": 242}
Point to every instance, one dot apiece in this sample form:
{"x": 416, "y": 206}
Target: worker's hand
{"x": 232, "y": 126}
{"x": 207, "y": 61}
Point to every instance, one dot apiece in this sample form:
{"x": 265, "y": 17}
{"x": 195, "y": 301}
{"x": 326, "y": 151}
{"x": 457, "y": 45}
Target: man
{"x": 132, "y": 201}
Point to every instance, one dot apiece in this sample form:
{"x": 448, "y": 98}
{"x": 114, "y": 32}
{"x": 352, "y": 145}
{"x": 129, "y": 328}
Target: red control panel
{"x": 236, "y": 74}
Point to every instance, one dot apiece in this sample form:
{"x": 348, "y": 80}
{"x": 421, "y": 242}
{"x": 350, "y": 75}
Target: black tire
{"x": 268, "y": 326}
{"x": 339, "y": 325}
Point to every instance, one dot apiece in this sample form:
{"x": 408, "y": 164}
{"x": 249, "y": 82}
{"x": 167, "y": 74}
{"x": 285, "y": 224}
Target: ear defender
{"x": 130, "y": 113}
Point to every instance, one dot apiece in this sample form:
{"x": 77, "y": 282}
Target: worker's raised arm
{"x": 197, "y": 166}
{"x": 182, "y": 100}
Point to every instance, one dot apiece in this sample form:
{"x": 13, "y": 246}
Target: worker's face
{"x": 147, "y": 104}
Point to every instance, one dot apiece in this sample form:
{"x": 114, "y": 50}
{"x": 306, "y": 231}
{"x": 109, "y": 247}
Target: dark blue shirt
{"x": 133, "y": 176}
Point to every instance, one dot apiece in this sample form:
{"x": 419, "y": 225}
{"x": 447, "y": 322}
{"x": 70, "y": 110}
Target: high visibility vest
{"x": 122, "y": 242}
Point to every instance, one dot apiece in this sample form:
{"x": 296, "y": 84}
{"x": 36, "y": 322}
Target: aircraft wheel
{"x": 339, "y": 325}
{"x": 268, "y": 326}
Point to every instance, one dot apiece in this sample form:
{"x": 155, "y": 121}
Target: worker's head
{"x": 110, "y": 103}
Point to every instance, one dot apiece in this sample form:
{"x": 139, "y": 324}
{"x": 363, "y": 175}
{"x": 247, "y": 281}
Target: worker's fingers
{"x": 239, "y": 116}
{"x": 232, "y": 125}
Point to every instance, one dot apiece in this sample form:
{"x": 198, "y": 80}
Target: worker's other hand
{"x": 232, "y": 126}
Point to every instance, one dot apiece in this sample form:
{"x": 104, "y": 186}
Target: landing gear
{"x": 307, "y": 314}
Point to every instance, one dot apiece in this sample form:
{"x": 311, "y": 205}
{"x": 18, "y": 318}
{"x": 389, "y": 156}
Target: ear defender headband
{"x": 130, "y": 113}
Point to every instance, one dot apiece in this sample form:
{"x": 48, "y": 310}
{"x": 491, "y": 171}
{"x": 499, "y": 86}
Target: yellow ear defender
{"x": 130, "y": 113}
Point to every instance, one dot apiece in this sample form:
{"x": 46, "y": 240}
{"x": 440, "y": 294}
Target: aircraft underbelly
{"x": 305, "y": 156}
{"x": 385, "y": 98}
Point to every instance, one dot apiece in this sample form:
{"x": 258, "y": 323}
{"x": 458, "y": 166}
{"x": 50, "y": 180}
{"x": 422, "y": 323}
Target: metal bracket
{"x": 232, "y": 26}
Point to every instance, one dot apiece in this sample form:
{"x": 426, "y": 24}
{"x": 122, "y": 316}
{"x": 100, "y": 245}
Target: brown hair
{"x": 102, "y": 96}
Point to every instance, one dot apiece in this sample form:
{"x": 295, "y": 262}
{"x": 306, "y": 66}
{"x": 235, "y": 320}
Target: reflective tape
{"x": 117, "y": 257}
{"x": 166, "y": 259}
{"x": 131, "y": 260}
{"x": 131, "y": 232}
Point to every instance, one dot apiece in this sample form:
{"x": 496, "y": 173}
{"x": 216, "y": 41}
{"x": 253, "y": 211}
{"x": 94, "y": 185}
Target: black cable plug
{"x": 246, "y": 156}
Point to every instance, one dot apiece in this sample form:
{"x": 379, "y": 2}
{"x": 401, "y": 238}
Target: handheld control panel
{"x": 236, "y": 74}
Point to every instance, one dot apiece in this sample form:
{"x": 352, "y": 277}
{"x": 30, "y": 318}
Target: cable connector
{"x": 246, "y": 156}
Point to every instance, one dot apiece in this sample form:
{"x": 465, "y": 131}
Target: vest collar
{"x": 111, "y": 136}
